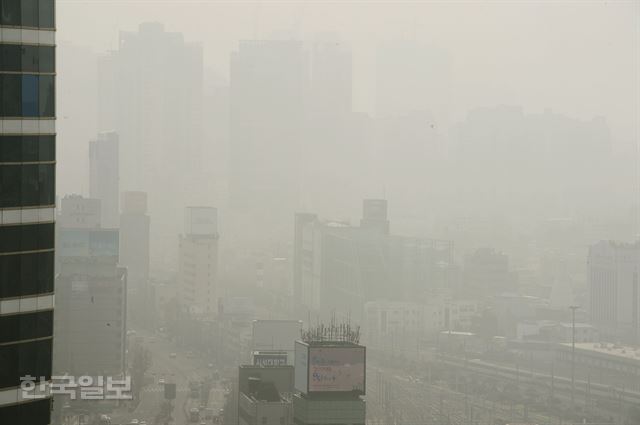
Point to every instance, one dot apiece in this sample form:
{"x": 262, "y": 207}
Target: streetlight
{"x": 573, "y": 348}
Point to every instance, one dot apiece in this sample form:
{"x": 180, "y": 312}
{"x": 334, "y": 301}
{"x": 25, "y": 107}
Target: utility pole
{"x": 573, "y": 350}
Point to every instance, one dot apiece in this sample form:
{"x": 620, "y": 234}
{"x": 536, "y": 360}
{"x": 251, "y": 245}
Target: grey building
{"x": 339, "y": 267}
{"x": 134, "y": 238}
{"x": 104, "y": 176}
{"x": 27, "y": 201}
{"x": 90, "y": 325}
{"x": 268, "y": 83}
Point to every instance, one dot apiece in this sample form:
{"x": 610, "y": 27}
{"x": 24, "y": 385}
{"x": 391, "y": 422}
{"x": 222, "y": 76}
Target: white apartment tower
{"x": 613, "y": 274}
{"x": 198, "y": 259}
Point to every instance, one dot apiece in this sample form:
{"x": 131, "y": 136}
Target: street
{"x": 182, "y": 369}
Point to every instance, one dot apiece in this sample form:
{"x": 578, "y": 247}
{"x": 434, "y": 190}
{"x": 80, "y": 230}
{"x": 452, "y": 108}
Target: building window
{"x": 30, "y": 237}
{"x": 34, "y": 271}
{"x": 27, "y": 185}
{"x": 26, "y": 58}
{"x": 26, "y": 326}
{"x": 27, "y": 95}
{"x": 34, "y": 413}
{"x": 27, "y": 148}
{"x": 29, "y": 358}
{"x": 27, "y": 13}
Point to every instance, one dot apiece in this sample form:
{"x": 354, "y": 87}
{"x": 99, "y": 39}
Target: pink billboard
{"x": 336, "y": 369}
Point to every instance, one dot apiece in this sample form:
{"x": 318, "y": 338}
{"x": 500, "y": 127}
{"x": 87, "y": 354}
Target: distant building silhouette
{"x": 104, "y": 176}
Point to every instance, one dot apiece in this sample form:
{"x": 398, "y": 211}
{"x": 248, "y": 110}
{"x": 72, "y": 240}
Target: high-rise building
{"x": 198, "y": 266}
{"x": 27, "y": 201}
{"x": 268, "y": 83}
{"x": 150, "y": 92}
{"x": 614, "y": 289}
{"x": 90, "y": 324}
{"x": 134, "y": 238}
{"x": 104, "y": 176}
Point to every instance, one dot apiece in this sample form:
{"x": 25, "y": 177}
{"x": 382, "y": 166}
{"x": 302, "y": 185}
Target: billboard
{"x": 201, "y": 221}
{"x": 330, "y": 368}
{"x": 270, "y": 358}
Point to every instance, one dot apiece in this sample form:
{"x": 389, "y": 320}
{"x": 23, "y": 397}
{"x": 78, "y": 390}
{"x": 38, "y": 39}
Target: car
{"x": 161, "y": 381}
{"x": 173, "y": 355}
{"x": 143, "y": 422}
{"x": 134, "y": 422}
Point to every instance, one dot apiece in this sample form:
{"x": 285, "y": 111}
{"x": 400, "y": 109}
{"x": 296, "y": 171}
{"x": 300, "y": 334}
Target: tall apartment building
{"x": 27, "y": 200}
{"x": 104, "y": 176}
{"x": 614, "y": 289}
{"x": 154, "y": 129}
{"x": 198, "y": 257}
{"x": 134, "y": 238}
{"x": 268, "y": 83}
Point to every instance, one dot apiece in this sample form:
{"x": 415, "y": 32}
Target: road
{"x": 180, "y": 370}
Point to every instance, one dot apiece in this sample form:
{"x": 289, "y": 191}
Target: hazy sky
{"x": 578, "y": 58}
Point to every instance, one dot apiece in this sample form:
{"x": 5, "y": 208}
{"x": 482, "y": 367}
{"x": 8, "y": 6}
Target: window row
{"x": 34, "y": 413}
{"x": 27, "y": 185}
{"x": 28, "y": 13}
{"x": 30, "y": 237}
{"x": 26, "y": 95}
{"x": 28, "y": 358}
{"x": 20, "y": 327}
{"x": 27, "y": 148}
{"x": 23, "y": 275}
{"x": 24, "y": 58}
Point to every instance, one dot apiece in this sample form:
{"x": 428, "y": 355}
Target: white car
{"x": 161, "y": 381}
{"x": 135, "y": 422}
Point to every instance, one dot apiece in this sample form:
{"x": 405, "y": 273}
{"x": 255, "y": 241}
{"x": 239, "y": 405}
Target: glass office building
{"x": 27, "y": 200}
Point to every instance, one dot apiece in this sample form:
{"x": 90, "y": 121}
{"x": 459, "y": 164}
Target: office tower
{"x": 90, "y": 322}
{"x": 614, "y": 289}
{"x": 134, "y": 239}
{"x": 27, "y": 201}
{"x": 330, "y": 377}
{"x": 104, "y": 176}
{"x": 198, "y": 258}
{"x": 268, "y": 82}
